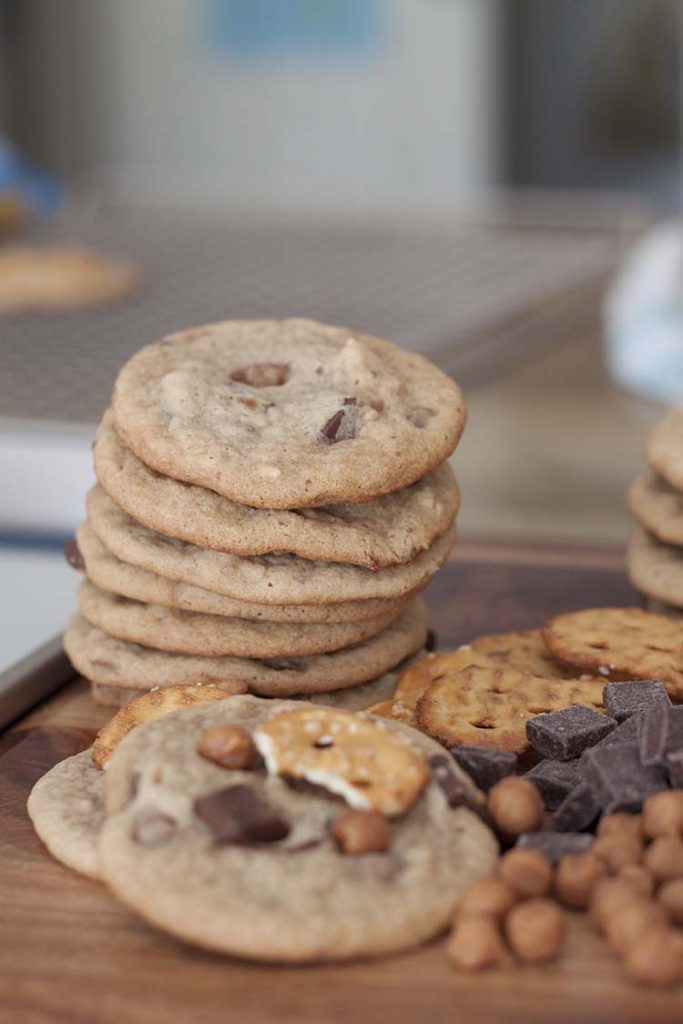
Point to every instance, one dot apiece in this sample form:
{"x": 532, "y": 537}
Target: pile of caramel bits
{"x": 629, "y": 881}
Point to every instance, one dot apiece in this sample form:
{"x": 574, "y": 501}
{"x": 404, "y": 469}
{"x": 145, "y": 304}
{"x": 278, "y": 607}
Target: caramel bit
{"x": 228, "y": 746}
{"x": 515, "y": 806}
{"x": 476, "y": 943}
{"x": 262, "y": 375}
{"x": 359, "y": 832}
{"x": 535, "y": 930}
{"x": 420, "y": 416}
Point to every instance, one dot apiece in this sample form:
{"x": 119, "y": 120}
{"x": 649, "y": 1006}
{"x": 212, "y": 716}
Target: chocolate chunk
{"x": 621, "y": 782}
{"x": 627, "y": 731}
{"x": 330, "y": 432}
{"x": 484, "y": 765}
{"x": 431, "y": 641}
{"x": 629, "y": 799}
{"x": 556, "y": 845}
{"x": 565, "y": 734}
{"x": 74, "y": 555}
{"x": 674, "y": 766}
{"x": 237, "y": 815}
{"x": 152, "y": 827}
{"x": 420, "y": 416}
{"x": 554, "y": 780}
{"x": 662, "y": 733}
{"x": 624, "y": 699}
{"x": 262, "y": 375}
{"x": 578, "y": 810}
{"x": 455, "y": 790}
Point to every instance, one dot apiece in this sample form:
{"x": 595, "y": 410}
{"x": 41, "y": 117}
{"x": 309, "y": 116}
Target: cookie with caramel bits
{"x": 270, "y": 867}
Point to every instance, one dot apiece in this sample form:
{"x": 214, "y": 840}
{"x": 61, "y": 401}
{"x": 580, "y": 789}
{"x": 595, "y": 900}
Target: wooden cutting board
{"x": 70, "y": 954}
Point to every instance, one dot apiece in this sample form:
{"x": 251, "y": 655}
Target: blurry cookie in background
{"x": 63, "y": 278}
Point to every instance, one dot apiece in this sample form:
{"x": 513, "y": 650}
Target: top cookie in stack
{"x": 272, "y": 497}
{"x": 655, "y": 555}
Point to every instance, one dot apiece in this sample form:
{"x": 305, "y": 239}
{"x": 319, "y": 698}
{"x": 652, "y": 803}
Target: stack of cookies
{"x": 655, "y": 556}
{"x": 272, "y": 497}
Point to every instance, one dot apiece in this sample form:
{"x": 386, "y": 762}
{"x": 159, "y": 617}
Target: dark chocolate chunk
{"x": 431, "y": 641}
{"x": 674, "y": 766}
{"x": 662, "y": 733}
{"x": 262, "y": 375}
{"x": 74, "y": 555}
{"x": 455, "y": 790}
{"x": 554, "y": 780}
{"x": 629, "y": 798}
{"x": 620, "y": 780}
{"x": 565, "y": 734}
{"x": 627, "y": 731}
{"x": 342, "y": 425}
{"x": 420, "y": 416}
{"x": 484, "y": 765}
{"x": 237, "y": 815}
{"x": 152, "y": 827}
{"x": 578, "y": 810}
{"x": 623, "y": 699}
{"x": 556, "y": 845}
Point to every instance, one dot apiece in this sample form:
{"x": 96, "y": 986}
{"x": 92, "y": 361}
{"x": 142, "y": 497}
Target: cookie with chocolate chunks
{"x": 118, "y": 663}
{"x": 390, "y": 530}
{"x": 272, "y": 579}
{"x": 281, "y": 413}
{"x": 255, "y": 866}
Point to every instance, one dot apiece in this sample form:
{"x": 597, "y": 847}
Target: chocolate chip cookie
{"x": 241, "y": 861}
{"x": 287, "y": 413}
{"x": 388, "y": 531}
{"x": 111, "y": 662}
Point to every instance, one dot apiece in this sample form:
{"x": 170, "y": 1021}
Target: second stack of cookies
{"x": 272, "y": 497}
{"x": 655, "y": 557}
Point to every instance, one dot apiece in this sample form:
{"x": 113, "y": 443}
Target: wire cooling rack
{"x": 468, "y": 295}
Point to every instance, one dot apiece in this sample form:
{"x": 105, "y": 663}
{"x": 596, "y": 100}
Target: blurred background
{"x": 496, "y": 183}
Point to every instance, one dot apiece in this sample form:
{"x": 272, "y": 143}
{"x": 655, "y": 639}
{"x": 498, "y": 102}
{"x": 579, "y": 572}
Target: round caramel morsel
{"x": 664, "y": 858}
{"x": 620, "y": 824}
{"x": 351, "y": 755}
{"x": 670, "y": 895}
{"x": 575, "y": 878}
{"x": 476, "y": 943}
{"x": 515, "y": 806}
{"x": 229, "y": 746}
{"x": 628, "y": 923}
{"x": 618, "y": 850}
{"x": 281, "y": 414}
{"x": 489, "y": 896}
{"x": 358, "y": 832}
{"x": 147, "y": 707}
{"x": 608, "y": 896}
{"x": 663, "y": 814}
{"x": 535, "y": 929}
{"x": 656, "y": 958}
{"x": 637, "y": 876}
{"x": 527, "y": 871}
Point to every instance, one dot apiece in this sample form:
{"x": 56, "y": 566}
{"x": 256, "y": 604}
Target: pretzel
{"x": 362, "y": 760}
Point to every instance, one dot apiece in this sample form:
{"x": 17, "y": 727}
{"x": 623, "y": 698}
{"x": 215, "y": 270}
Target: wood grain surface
{"x": 69, "y": 954}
